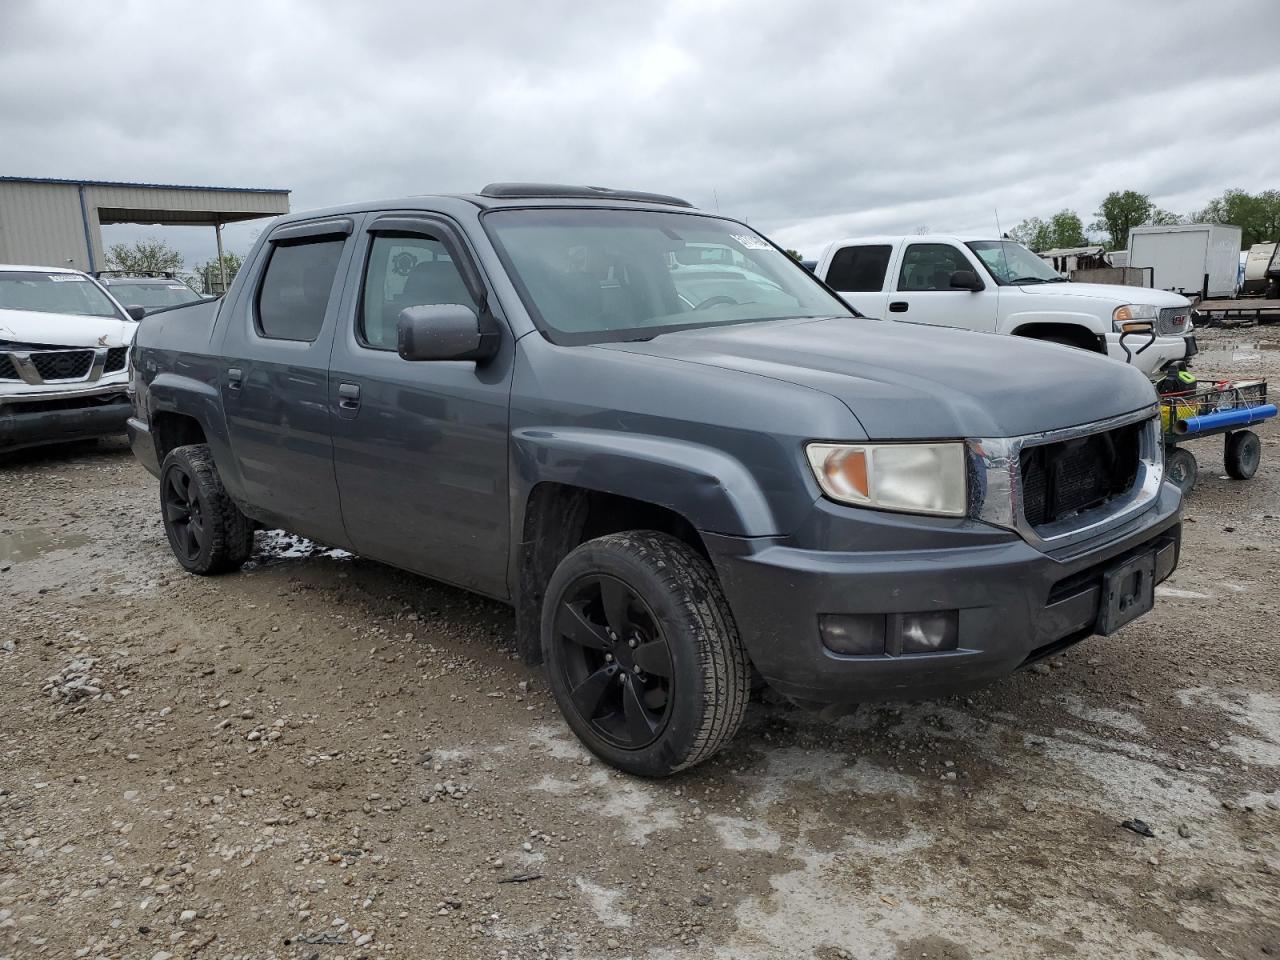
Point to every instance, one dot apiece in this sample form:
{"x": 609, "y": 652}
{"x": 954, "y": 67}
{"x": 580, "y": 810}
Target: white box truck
{"x": 1190, "y": 258}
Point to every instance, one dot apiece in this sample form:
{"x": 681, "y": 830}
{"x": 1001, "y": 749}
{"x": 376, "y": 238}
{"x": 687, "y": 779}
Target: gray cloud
{"x": 814, "y": 120}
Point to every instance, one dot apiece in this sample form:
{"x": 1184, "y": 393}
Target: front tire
{"x": 206, "y": 530}
{"x": 642, "y": 653}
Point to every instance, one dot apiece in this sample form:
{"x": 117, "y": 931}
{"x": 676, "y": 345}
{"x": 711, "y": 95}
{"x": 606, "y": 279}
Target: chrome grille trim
{"x": 24, "y": 365}
{"x": 1166, "y": 325}
{"x": 995, "y": 482}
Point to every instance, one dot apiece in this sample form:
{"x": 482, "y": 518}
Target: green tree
{"x": 209, "y": 279}
{"x": 1165, "y": 217}
{"x": 1257, "y": 216}
{"x": 794, "y": 254}
{"x": 1033, "y": 233}
{"x": 1120, "y": 212}
{"x": 1066, "y": 230}
{"x": 144, "y": 256}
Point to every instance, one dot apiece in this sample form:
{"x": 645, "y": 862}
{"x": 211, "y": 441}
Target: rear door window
{"x": 295, "y": 289}
{"x": 859, "y": 269}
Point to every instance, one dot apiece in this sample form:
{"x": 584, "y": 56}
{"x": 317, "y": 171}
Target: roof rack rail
{"x": 511, "y": 191}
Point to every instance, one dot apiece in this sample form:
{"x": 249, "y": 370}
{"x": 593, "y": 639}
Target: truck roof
{"x": 499, "y": 195}
{"x": 915, "y": 237}
{"x": 27, "y": 268}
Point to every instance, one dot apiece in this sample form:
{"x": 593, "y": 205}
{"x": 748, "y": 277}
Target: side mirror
{"x": 445, "y": 331}
{"x": 136, "y": 312}
{"x": 966, "y": 280}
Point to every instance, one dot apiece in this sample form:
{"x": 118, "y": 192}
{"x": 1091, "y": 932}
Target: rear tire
{"x": 620, "y": 612}
{"x": 1180, "y": 468}
{"x": 1242, "y": 455}
{"x": 206, "y": 530}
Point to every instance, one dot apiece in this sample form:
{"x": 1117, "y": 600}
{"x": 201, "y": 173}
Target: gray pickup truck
{"x": 688, "y": 465}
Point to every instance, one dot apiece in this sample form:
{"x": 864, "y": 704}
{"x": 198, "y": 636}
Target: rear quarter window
{"x": 859, "y": 269}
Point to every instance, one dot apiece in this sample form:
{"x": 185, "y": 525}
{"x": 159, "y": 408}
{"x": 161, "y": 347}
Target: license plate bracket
{"x": 1128, "y": 591}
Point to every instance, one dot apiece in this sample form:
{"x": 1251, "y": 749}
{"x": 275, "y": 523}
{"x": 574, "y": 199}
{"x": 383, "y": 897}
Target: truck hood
{"x": 912, "y": 382}
{"x": 64, "y": 329}
{"x": 1114, "y": 294}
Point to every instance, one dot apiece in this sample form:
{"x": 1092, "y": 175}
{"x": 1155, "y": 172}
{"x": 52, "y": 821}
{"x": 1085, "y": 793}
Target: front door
{"x": 420, "y": 448}
{"x": 924, "y": 293}
{"x": 275, "y": 384}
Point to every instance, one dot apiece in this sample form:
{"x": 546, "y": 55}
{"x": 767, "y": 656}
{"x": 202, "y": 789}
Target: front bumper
{"x": 1016, "y": 604}
{"x": 62, "y": 418}
{"x": 1156, "y": 357}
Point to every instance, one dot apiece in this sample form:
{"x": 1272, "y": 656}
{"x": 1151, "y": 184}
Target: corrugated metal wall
{"x": 40, "y": 224}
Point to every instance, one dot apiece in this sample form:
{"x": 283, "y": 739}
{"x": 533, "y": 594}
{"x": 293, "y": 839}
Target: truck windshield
{"x": 54, "y": 293}
{"x": 153, "y": 294}
{"x": 1012, "y": 263}
{"x": 589, "y": 276}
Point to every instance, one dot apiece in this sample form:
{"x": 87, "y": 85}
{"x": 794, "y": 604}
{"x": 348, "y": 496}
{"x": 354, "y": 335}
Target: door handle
{"x": 349, "y": 396}
{"x": 234, "y": 376}
{"x": 898, "y": 306}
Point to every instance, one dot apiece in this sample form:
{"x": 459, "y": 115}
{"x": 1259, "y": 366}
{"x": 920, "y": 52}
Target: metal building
{"x": 59, "y": 222}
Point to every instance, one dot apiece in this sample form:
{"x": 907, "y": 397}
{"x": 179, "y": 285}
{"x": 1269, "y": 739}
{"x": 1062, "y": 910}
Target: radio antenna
{"x": 1004, "y": 259}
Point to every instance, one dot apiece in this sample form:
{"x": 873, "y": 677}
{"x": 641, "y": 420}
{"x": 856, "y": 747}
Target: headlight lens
{"x": 907, "y": 477}
{"x": 1134, "y": 315}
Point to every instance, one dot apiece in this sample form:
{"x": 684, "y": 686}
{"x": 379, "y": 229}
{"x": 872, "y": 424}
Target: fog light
{"x": 852, "y": 634}
{"x": 929, "y": 632}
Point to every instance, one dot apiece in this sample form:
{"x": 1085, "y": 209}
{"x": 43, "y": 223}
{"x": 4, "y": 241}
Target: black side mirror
{"x": 136, "y": 312}
{"x": 445, "y": 331}
{"x": 966, "y": 280}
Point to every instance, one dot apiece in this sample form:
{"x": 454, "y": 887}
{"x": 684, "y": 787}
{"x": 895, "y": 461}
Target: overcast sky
{"x": 813, "y": 120}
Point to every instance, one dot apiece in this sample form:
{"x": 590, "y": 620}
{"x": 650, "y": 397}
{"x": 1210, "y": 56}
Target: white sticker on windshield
{"x": 176, "y": 286}
{"x": 66, "y": 278}
{"x": 749, "y": 242}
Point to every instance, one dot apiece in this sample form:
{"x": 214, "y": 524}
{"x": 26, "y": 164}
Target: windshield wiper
{"x": 1022, "y": 280}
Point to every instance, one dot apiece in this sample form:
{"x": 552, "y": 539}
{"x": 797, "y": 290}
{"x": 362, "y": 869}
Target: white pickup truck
{"x": 998, "y": 286}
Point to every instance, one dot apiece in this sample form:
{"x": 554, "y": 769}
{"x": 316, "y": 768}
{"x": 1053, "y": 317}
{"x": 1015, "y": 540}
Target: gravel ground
{"x": 321, "y": 757}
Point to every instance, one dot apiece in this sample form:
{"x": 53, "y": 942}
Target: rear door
{"x": 275, "y": 379}
{"x": 420, "y": 448}
{"x": 859, "y": 272}
{"x": 923, "y": 292}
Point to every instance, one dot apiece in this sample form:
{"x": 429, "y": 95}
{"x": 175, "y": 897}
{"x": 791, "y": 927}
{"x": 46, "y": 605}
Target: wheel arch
{"x": 1078, "y": 334}
{"x": 557, "y": 517}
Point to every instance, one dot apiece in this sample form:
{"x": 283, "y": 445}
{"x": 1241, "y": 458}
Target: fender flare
{"x": 188, "y": 397}
{"x": 1088, "y": 322}
{"x": 714, "y": 491}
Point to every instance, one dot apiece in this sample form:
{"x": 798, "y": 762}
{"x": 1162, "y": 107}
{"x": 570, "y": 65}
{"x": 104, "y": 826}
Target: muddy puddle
{"x": 35, "y": 542}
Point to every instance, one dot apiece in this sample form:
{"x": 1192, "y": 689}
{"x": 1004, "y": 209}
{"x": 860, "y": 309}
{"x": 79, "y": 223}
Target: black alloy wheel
{"x": 614, "y": 660}
{"x": 183, "y": 513}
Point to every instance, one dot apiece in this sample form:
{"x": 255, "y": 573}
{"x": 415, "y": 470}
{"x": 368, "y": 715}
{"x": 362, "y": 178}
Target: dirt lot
{"x": 320, "y": 757}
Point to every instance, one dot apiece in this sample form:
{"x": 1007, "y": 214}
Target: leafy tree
{"x": 1121, "y": 211}
{"x": 1033, "y": 233}
{"x": 1257, "y": 216}
{"x": 1066, "y": 230}
{"x": 794, "y": 254}
{"x": 144, "y": 256}
{"x": 209, "y": 278}
{"x": 1165, "y": 217}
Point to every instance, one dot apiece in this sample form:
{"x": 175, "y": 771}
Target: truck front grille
{"x": 1173, "y": 321}
{"x": 63, "y": 364}
{"x": 7, "y": 369}
{"x": 1060, "y": 480}
{"x": 116, "y": 357}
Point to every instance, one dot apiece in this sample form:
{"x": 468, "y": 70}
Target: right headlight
{"x": 925, "y": 478}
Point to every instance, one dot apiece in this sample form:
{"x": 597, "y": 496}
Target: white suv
{"x": 64, "y": 347}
